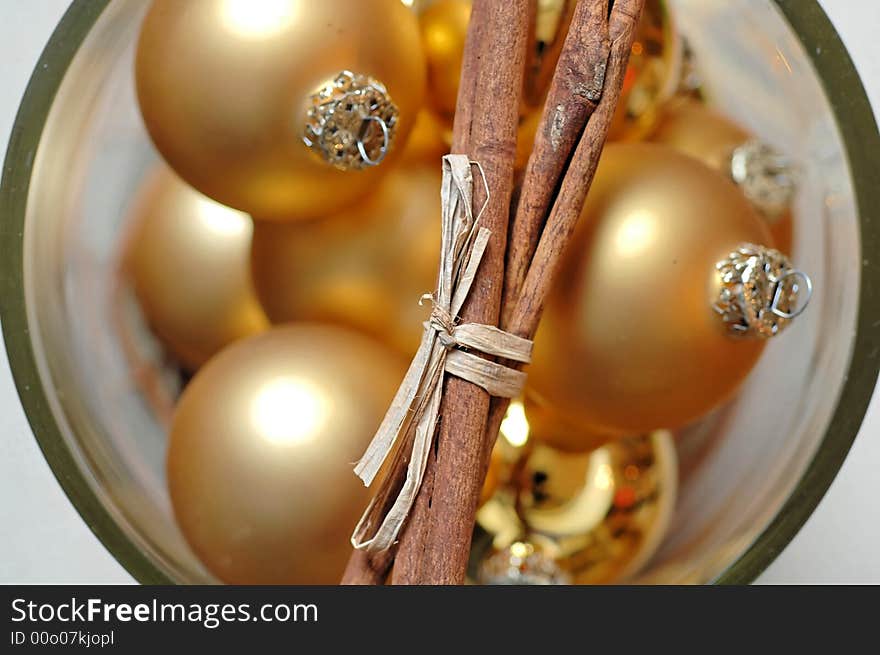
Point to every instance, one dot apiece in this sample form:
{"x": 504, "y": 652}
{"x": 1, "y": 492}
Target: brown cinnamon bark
{"x": 489, "y": 32}
{"x": 526, "y": 300}
{"x": 435, "y": 544}
{"x": 571, "y": 99}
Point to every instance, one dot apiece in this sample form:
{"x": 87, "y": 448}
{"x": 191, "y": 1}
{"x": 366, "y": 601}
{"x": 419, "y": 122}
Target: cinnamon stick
{"x": 571, "y": 99}
{"x": 488, "y": 18}
{"x": 527, "y": 298}
{"x": 435, "y": 545}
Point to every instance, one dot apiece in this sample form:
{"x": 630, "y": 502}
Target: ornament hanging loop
{"x": 386, "y": 140}
{"x": 796, "y": 289}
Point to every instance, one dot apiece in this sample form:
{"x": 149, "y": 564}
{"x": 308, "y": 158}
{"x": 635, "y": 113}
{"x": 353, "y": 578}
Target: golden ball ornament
{"x": 231, "y": 90}
{"x": 652, "y": 75}
{"x": 630, "y": 340}
{"x": 366, "y": 267}
{"x": 699, "y": 131}
{"x": 594, "y": 518}
{"x": 261, "y": 447}
{"x": 444, "y": 26}
{"x": 187, "y": 259}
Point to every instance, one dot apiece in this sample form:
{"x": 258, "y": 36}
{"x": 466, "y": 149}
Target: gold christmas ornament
{"x": 768, "y": 179}
{"x": 232, "y": 91}
{"x": 187, "y": 259}
{"x": 444, "y": 27}
{"x": 652, "y": 75}
{"x": 260, "y": 452}
{"x": 582, "y": 518}
{"x": 365, "y": 268}
{"x": 630, "y": 340}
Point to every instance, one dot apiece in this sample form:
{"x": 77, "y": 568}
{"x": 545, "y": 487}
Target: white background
{"x": 43, "y": 539}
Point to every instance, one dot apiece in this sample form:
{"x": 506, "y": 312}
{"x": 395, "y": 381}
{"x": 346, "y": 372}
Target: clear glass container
{"x": 751, "y": 473}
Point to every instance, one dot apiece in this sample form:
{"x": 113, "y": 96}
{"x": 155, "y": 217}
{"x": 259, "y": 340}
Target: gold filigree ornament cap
{"x": 351, "y": 122}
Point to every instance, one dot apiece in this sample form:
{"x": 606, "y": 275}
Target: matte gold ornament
{"x": 630, "y": 340}
{"x": 187, "y": 259}
{"x": 231, "y": 93}
{"x": 768, "y": 179}
{"x": 652, "y": 75}
{"x": 582, "y": 518}
{"x": 260, "y": 452}
{"x": 365, "y": 267}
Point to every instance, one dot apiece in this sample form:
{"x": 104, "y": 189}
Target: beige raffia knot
{"x": 447, "y": 347}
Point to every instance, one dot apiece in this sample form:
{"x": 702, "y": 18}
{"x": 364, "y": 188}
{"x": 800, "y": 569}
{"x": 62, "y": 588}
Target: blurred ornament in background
{"x": 766, "y": 177}
{"x": 580, "y": 518}
{"x": 630, "y": 340}
{"x": 652, "y": 76}
{"x": 521, "y": 564}
{"x": 260, "y": 452}
{"x": 225, "y": 88}
{"x": 564, "y": 432}
{"x": 366, "y": 267}
{"x": 187, "y": 260}
{"x": 444, "y": 27}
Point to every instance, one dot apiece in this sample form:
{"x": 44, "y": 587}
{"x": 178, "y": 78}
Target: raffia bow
{"x": 445, "y": 346}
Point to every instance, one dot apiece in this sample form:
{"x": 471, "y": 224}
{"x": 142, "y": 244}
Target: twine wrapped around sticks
{"x": 410, "y": 422}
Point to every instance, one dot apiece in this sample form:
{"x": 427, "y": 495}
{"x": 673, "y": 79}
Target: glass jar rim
{"x": 861, "y": 139}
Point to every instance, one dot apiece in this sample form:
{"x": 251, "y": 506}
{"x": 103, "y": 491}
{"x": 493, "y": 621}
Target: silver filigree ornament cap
{"x": 768, "y": 179}
{"x": 521, "y": 564}
{"x": 760, "y": 292}
{"x": 351, "y": 122}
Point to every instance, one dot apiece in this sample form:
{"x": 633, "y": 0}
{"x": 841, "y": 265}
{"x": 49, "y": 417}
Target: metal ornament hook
{"x": 777, "y": 294}
{"x": 386, "y": 140}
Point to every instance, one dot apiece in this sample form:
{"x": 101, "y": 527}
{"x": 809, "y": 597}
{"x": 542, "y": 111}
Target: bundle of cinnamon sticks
{"x": 531, "y": 224}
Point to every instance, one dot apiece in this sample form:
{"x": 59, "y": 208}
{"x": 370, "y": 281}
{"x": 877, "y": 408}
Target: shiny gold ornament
{"x": 652, "y": 75}
{"x": 187, "y": 259}
{"x": 630, "y": 340}
{"x": 225, "y": 87}
{"x": 699, "y": 131}
{"x": 260, "y": 452}
{"x": 366, "y": 267}
{"x": 598, "y": 516}
{"x": 444, "y": 27}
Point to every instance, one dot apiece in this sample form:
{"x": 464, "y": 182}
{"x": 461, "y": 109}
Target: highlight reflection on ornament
{"x": 597, "y": 517}
{"x": 260, "y": 452}
{"x": 630, "y": 340}
{"x": 187, "y": 259}
{"x": 225, "y": 88}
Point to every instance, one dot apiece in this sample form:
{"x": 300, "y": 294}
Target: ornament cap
{"x": 522, "y": 564}
{"x": 760, "y": 292}
{"x": 351, "y": 121}
{"x": 767, "y": 177}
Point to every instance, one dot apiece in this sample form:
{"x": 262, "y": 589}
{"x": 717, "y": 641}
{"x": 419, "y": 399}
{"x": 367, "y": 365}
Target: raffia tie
{"x": 447, "y": 346}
